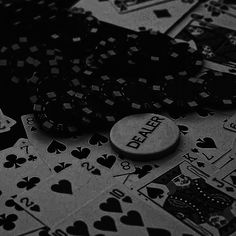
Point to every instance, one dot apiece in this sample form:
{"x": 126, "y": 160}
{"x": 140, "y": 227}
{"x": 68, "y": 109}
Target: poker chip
{"x": 97, "y": 108}
{"x": 217, "y": 89}
{"x": 110, "y": 55}
{"x": 137, "y": 95}
{"x": 184, "y": 58}
{"x": 43, "y": 86}
{"x": 5, "y": 63}
{"x": 23, "y": 16}
{"x": 153, "y": 51}
{"x": 53, "y": 115}
{"x": 74, "y": 31}
{"x": 25, "y": 59}
{"x": 149, "y": 50}
{"x": 179, "y": 92}
{"x": 144, "y": 137}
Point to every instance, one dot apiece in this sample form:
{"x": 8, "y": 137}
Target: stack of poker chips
{"x": 81, "y": 73}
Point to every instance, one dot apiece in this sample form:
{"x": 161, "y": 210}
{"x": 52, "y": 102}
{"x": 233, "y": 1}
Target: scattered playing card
{"x": 230, "y": 124}
{"x": 64, "y": 193}
{"x": 118, "y": 212}
{"x": 135, "y": 14}
{"x": 184, "y": 192}
{"x": 125, "y": 6}
{"x": 10, "y": 130}
{"x": 18, "y": 174}
{"x": 211, "y": 28}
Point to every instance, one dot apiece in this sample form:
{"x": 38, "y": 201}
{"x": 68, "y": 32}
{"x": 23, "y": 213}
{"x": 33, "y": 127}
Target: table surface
{"x": 80, "y": 186}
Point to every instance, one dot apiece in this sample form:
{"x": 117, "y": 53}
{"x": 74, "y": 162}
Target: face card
{"x": 63, "y": 193}
{"x": 117, "y": 212}
{"x": 225, "y": 178}
{"x": 185, "y": 193}
{"x": 211, "y": 28}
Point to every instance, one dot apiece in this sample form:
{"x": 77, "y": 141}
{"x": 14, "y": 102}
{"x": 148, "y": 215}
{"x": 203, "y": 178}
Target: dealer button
{"x": 144, "y": 137}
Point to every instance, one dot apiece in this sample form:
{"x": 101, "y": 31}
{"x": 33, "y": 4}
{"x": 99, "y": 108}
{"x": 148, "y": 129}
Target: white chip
{"x": 144, "y": 137}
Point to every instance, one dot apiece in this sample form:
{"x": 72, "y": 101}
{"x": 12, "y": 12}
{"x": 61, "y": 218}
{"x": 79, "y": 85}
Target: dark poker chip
{"x": 105, "y": 87}
{"x": 184, "y": 58}
{"x": 86, "y": 77}
{"x": 74, "y": 31}
{"x": 217, "y": 89}
{"x": 53, "y": 115}
{"x": 138, "y": 95}
{"x": 97, "y": 108}
{"x": 43, "y": 86}
{"x": 5, "y": 62}
{"x": 110, "y": 55}
{"x": 153, "y": 51}
{"x": 149, "y": 51}
{"x": 179, "y": 92}
{"x": 25, "y": 60}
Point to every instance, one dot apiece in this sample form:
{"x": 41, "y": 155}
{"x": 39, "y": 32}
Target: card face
{"x": 211, "y": 29}
{"x": 185, "y": 193}
{"x": 208, "y": 139}
{"x": 63, "y": 193}
{"x": 13, "y": 220}
{"x": 19, "y": 172}
{"x": 135, "y": 14}
{"x": 225, "y": 178}
{"x": 230, "y": 124}
{"x": 118, "y": 212}
{"x": 17, "y": 160}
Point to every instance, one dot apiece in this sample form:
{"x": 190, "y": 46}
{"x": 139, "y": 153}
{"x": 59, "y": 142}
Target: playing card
{"x": 225, "y": 178}
{"x": 53, "y": 151}
{"x": 22, "y": 143}
{"x": 12, "y": 110}
{"x": 13, "y": 220}
{"x": 60, "y": 154}
{"x": 187, "y": 194}
{"x": 211, "y": 29}
{"x": 117, "y": 212}
{"x": 230, "y": 124}
{"x": 15, "y": 160}
{"x": 206, "y": 137}
{"x": 18, "y": 173}
{"x": 5, "y": 123}
{"x": 63, "y": 193}
{"x": 135, "y": 14}
{"x": 128, "y": 6}
{"x": 24, "y": 181}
